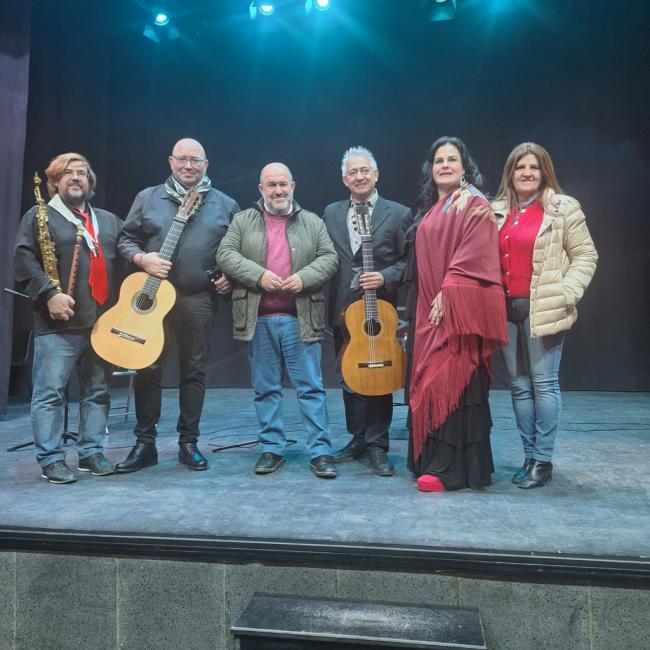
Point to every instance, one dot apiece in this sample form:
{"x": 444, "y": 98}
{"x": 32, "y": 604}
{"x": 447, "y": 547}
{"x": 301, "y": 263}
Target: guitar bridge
{"x": 125, "y": 335}
{"x": 375, "y": 364}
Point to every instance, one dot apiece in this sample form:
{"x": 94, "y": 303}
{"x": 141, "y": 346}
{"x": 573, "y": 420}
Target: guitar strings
{"x": 146, "y": 296}
{"x": 363, "y": 224}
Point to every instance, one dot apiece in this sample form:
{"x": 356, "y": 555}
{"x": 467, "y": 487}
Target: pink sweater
{"x": 278, "y": 260}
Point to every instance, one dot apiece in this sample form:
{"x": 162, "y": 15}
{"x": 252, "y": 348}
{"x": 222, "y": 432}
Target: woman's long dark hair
{"x": 428, "y": 190}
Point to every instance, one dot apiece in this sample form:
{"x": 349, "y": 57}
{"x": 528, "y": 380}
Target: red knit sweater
{"x": 516, "y": 243}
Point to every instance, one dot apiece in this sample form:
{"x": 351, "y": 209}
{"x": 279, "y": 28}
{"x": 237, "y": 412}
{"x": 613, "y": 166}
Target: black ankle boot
{"x": 143, "y": 454}
{"x": 189, "y": 455}
{"x": 539, "y": 474}
{"x": 521, "y": 473}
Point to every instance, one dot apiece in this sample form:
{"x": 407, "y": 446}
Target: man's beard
{"x": 283, "y": 209}
{"x": 77, "y": 198}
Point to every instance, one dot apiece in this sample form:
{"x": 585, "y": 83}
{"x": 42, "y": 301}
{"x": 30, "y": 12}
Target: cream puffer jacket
{"x": 564, "y": 261}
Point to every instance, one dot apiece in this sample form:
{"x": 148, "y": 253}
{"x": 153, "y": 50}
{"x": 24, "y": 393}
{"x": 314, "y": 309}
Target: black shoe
{"x": 323, "y": 467}
{"x": 379, "y": 462}
{"x": 143, "y": 454}
{"x": 354, "y": 450}
{"x": 97, "y": 465}
{"x": 189, "y": 455}
{"x": 58, "y": 472}
{"x": 268, "y": 462}
{"x": 539, "y": 474}
{"x": 520, "y": 473}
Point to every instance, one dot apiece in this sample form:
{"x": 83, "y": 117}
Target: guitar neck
{"x": 166, "y": 252}
{"x": 366, "y": 250}
{"x": 171, "y": 241}
{"x": 369, "y": 267}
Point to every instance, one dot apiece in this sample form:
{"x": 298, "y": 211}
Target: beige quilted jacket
{"x": 564, "y": 261}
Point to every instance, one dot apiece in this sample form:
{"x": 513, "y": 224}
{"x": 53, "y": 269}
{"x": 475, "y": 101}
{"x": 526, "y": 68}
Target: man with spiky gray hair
{"x": 355, "y": 152}
{"x": 367, "y": 418}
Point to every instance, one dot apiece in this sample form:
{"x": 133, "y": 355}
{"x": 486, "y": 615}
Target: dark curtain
{"x": 568, "y": 75}
{"x": 14, "y": 83}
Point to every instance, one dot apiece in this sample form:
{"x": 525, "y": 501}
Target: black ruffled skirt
{"x": 459, "y": 452}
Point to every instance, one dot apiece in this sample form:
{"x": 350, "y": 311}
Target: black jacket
{"x": 31, "y": 278}
{"x": 390, "y": 221}
{"x": 148, "y": 223}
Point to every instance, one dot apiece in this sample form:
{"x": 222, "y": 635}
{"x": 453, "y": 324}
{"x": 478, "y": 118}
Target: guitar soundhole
{"x": 372, "y": 327}
{"x": 143, "y": 302}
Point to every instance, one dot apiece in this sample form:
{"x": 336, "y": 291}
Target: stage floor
{"x": 597, "y": 504}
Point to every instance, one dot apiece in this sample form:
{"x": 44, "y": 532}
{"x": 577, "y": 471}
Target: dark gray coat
{"x": 389, "y": 223}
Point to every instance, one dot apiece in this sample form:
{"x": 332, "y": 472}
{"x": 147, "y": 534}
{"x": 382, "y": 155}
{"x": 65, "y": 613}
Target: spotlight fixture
{"x": 321, "y": 5}
{"x": 439, "y": 10}
{"x": 161, "y": 19}
{"x": 161, "y": 28}
{"x": 261, "y": 7}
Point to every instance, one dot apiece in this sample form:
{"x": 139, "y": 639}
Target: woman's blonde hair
{"x": 58, "y": 165}
{"x": 507, "y": 189}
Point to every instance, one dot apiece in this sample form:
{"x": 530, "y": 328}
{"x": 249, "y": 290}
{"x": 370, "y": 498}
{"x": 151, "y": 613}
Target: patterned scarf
{"x": 177, "y": 191}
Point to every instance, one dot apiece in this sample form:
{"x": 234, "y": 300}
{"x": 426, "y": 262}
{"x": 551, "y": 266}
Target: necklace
{"x": 522, "y": 208}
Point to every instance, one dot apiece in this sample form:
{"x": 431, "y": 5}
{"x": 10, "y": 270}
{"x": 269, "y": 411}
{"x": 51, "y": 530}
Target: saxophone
{"x": 44, "y": 240}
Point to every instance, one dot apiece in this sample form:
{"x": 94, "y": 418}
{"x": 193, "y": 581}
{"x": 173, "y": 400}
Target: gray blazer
{"x": 389, "y": 223}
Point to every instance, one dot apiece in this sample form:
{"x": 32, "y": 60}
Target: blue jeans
{"x": 277, "y": 340}
{"x": 55, "y": 358}
{"x": 533, "y": 366}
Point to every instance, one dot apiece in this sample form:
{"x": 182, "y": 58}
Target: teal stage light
{"x": 161, "y": 19}
{"x": 161, "y": 28}
{"x": 260, "y": 7}
{"x": 321, "y": 5}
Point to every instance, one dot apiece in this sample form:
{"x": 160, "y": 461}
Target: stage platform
{"x": 590, "y": 527}
{"x": 597, "y": 505}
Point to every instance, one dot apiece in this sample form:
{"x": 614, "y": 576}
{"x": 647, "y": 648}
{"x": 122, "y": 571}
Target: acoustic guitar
{"x": 131, "y": 334}
{"x": 371, "y": 361}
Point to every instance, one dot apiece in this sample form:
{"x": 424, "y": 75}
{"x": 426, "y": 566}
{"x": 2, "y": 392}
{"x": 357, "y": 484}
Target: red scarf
{"x": 97, "y": 279}
{"x": 457, "y": 252}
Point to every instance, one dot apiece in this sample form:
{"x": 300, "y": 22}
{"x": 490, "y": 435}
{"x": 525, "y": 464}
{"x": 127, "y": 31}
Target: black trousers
{"x": 367, "y": 418}
{"x": 189, "y": 322}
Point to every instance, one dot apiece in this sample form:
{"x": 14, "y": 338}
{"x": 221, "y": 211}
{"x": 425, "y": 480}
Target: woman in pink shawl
{"x": 459, "y": 322}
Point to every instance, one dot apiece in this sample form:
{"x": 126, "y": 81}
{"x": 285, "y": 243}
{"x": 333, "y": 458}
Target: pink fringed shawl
{"x": 457, "y": 253}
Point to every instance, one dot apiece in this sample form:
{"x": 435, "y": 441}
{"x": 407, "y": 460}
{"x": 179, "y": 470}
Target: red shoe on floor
{"x": 428, "y": 483}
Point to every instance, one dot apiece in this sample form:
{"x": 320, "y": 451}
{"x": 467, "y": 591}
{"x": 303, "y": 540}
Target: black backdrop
{"x": 14, "y": 76}
{"x": 569, "y": 74}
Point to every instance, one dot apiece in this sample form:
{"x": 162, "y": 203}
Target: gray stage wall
{"x": 50, "y": 602}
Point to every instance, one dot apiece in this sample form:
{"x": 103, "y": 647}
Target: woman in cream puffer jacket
{"x": 547, "y": 261}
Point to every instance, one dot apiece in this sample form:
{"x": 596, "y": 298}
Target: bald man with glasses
{"x": 190, "y": 320}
